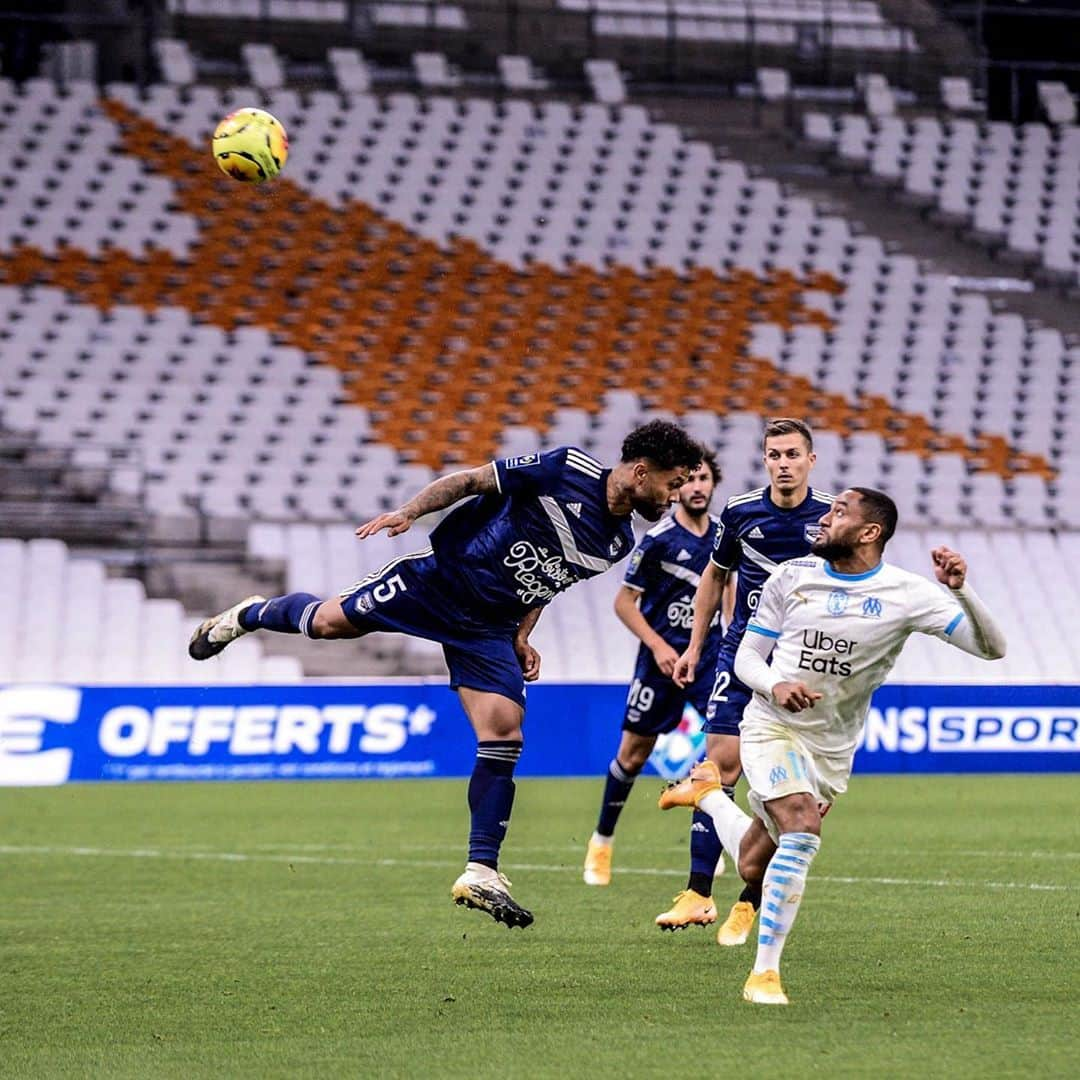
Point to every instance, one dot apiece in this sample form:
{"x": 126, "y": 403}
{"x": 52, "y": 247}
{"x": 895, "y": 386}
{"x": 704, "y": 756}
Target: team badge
{"x": 811, "y": 532}
{"x": 777, "y": 775}
{"x": 871, "y": 607}
{"x": 521, "y": 460}
{"x": 616, "y": 546}
{"x": 837, "y": 602}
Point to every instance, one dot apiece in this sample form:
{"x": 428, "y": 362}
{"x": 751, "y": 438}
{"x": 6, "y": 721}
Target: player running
{"x": 655, "y": 604}
{"x": 758, "y": 530}
{"x": 541, "y": 523}
{"x": 833, "y": 625}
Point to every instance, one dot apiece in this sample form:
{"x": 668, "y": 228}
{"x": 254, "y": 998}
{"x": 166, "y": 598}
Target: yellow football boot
{"x": 690, "y": 909}
{"x": 737, "y": 926}
{"x": 598, "y": 863}
{"x": 704, "y": 777}
{"x": 764, "y": 989}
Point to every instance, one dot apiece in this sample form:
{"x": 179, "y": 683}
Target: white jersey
{"x": 840, "y": 635}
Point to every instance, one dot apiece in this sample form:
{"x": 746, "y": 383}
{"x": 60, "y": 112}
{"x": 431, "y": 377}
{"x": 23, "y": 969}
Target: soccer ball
{"x": 250, "y": 145}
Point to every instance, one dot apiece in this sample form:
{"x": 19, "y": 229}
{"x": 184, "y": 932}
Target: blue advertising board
{"x": 57, "y": 734}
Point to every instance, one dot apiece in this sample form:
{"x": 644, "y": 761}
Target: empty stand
{"x": 467, "y": 252}
{"x": 1015, "y": 187}
{"x": 69, "y": 621}
{"x": 778, "y": 24}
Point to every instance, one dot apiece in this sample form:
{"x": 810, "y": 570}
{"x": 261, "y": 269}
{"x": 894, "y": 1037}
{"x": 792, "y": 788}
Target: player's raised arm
{"x": 707, "y": 598}
{"x": 976, "y": 632}
{"x": 437, "y": 495}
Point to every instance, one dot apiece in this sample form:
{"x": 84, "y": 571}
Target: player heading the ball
{"x": 530, "y": 527}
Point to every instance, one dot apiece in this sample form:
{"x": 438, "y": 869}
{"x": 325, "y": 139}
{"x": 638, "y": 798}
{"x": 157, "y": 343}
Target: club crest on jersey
{"x": 871, "y": 607}
{"x": 811, "y": 532}
{"x": 837, "y": 602}
{"x": 777, "y": 775}
{"x": 521, "y": 460}
{"x": 616, "y": 546}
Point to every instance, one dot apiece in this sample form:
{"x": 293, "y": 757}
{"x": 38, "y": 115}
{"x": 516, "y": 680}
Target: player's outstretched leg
{"x": 497, "y": 722}
{"x": 213, "y": 634}
{"x": 295, "y": 613}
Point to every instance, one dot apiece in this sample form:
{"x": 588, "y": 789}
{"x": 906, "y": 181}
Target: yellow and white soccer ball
{"x": 251, "y": 145}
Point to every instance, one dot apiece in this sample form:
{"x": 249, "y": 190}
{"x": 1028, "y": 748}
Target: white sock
{"x": 604, "y": 841}
{"x": 782, "y": 892}
{"x": 730, "y": 822}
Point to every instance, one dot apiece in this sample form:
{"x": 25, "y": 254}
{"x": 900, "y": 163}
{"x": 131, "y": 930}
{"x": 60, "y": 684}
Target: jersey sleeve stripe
{"x": 749, "y": 496}
{"x": 583, "y": 463}
{"x": 954, "y": 624}
{"x": 762, "y": 630}
{"x": 719, "y": 565}
{"x": 498, "y": 482}
{"x": 631, "y": 585}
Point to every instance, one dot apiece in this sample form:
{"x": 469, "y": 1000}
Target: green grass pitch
{"x": 306, "y": 930}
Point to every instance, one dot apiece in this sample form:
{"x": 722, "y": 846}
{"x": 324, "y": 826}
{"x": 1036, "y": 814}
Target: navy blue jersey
{"x": 754, "y": 537}
{"x": 666, "y": 568}
{"x": 548, "y": 526}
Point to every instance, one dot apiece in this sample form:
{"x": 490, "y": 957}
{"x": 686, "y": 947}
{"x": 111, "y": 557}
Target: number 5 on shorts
{"x": 388, "y": 589}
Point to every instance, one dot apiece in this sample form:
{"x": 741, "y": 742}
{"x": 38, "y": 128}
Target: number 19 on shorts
{"x": 640, "y": 696}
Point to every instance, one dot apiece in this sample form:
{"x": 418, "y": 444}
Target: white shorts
{"x": 777, "y": 762}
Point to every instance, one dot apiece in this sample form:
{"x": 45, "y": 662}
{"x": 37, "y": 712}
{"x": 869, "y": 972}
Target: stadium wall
{"x": 57, "y": 734}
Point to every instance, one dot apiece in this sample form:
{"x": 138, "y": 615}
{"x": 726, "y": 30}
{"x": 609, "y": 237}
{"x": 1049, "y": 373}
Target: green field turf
{"x": 306, "y": 930}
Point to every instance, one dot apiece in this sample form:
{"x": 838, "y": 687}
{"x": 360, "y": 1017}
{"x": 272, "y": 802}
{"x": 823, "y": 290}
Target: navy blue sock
{"x": 616, "y": 791}
{"x": 491, "y": 798}
{"x": 705, "y": 850}
{"x": 289, "y": 614}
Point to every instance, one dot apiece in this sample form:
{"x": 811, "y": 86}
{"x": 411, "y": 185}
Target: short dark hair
{"x": 665, "y": 444}
{"x": 708, "y": 459}
{"x": 788, "y": 425}
{"x": 879, "y": 508}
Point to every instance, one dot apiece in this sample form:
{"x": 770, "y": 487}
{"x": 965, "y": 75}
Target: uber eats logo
{"x": 823, "y": 653}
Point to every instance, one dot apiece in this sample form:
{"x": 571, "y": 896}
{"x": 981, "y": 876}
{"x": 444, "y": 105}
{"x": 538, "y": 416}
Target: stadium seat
{"x": 72, "y": 623}
{"x": 517, "y": 74}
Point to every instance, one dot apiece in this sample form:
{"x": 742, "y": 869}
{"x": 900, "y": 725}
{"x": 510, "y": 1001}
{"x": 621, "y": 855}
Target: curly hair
{"x": 708, "y": 459}
{"x": 663, "y": 443}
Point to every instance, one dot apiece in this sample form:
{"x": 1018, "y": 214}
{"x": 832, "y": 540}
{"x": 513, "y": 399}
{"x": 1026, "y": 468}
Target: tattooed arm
{"x": 437, "y": 495}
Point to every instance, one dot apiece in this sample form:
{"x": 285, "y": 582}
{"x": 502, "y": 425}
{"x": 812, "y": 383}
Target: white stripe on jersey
{"x": 749, "y": 496}
{"x": 822, "y": 496}
{"x": 583, "y": 463}
{"x": 570, "y": 550}
{"x": 683, "y": 573}
{"x": 763, "y": 561}
{"x": 662, "y": 527}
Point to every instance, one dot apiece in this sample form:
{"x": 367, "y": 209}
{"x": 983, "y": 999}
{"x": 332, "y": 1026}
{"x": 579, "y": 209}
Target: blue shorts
{"x": 412, "y": 596}
{"x": 727, "y": 700}
{"x": 654, "y": 705}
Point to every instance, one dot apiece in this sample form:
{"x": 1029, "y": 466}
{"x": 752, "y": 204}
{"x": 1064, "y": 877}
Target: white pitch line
{"x": 330, "y": 860}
